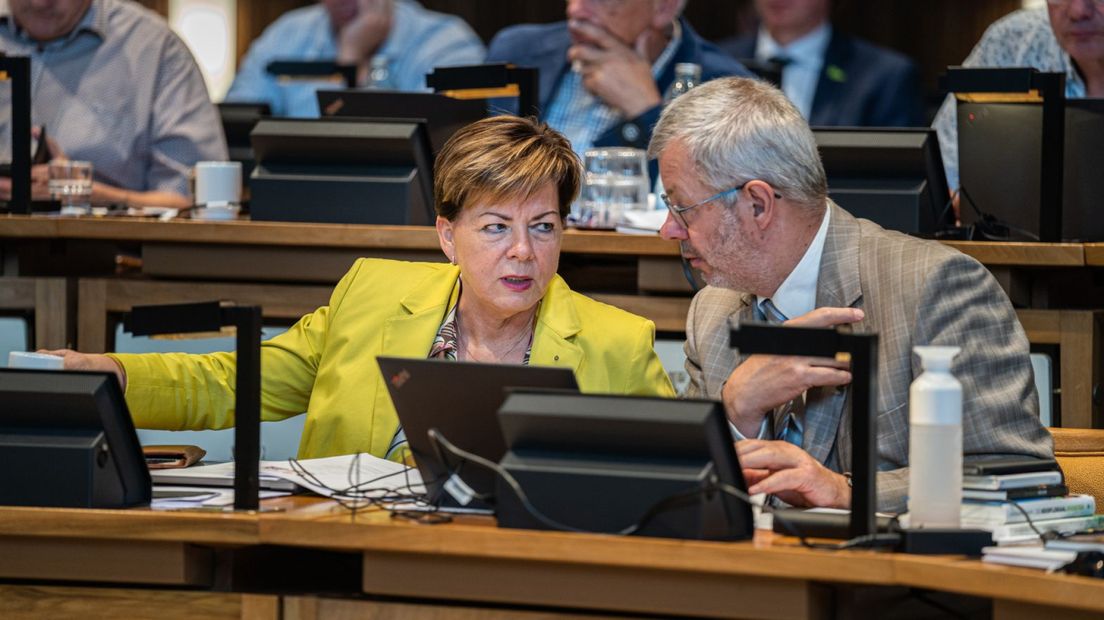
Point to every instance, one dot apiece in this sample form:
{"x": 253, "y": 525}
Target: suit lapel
{"x": 557, "y": 324}
{"x": 838, "y": 285}
{"x": 411, "y": 333}
{"x": 832, "y": 85}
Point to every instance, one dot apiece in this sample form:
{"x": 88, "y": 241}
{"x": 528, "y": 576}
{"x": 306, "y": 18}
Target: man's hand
{"x": 619, "y": 75}
{"x": 786, "y": 471}
{"x": 361, "y": 37}
{"x": 75, "y": 360}
{"x": 763, "y": 382}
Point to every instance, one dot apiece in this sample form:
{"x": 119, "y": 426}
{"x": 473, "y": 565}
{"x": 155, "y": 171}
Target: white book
{"x": 1021, "y": 532}
{"x": 1012, "y": 481}
{"x": 1028, "y": 557}
{"x": 1093, "y": 542}
{"x": 1000, "y": 513}
{"x": 218, "y": 475}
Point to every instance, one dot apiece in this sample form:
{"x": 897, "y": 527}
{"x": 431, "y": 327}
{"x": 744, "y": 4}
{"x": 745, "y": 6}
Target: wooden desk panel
{"x": 470, "y": 560}
{"x": 1094, "y": 254}
{"x": 638, "y": 574}
{"x": 74, "y": 559}
{"x": 34, "y": 602}
{"x": 204, "y": 528}
{"x": 50, "y": 302}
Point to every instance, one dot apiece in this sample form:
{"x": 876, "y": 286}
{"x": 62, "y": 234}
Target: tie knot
{"x": 771, "y": 312}
{"x": 780, "y": 60}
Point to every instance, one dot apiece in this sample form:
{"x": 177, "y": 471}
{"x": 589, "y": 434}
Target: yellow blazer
{"x": 325, "y": 364}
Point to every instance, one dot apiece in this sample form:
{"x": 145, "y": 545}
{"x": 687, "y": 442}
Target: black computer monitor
{"x": 605, "y": 463}
{"x": 425, "y": 394}
{"x": 238, "y": 119}
{"x": 1000, "y": 167}
{"x": 337, "y": 170}
{"x": 67, "y": 440}
{"x": 893, "y": 177}
{"x": 443, "y": 115}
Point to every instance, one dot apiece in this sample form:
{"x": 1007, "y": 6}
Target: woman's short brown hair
{"x": 503, "y": 157}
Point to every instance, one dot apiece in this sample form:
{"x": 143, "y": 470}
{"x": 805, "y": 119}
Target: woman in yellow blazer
{"x": 502, "y": 189}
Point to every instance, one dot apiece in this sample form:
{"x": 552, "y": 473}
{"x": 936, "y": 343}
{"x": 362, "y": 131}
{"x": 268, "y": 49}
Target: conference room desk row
{"x": 314, "y": 559}
{"x": 78, "y": 275}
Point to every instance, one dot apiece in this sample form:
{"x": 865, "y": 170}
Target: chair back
{"x": 1080, "y": 453}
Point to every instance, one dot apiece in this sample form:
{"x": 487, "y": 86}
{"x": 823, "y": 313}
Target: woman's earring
{"x": 452, "y": 259}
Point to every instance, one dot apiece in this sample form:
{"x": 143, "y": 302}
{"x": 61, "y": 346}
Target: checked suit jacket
{"x": 913, "y": 292}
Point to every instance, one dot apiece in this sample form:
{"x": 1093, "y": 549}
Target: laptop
{"x": 461, "y": 401}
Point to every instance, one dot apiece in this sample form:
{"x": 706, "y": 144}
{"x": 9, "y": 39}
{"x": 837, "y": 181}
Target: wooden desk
{"x": 289, "y": 270}
{"x": 50, "y": 302}
{"x": 53, "y": 554}
{"x": 1094, "y": 254}
{"x": 771, "y": 577}
{"x": 467, "y": 569}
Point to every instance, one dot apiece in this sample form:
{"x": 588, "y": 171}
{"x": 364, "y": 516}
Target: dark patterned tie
{"x": 788, "y": 418}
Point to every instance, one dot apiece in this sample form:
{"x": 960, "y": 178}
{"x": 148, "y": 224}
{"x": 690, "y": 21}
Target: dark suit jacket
{"x": 544, "y": 46}
{"x": 861, "y": 84}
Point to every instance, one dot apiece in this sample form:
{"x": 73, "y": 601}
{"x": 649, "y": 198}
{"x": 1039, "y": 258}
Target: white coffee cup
{"x": 218, "y": 182}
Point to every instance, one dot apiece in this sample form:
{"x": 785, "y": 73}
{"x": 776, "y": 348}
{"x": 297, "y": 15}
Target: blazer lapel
{"x": 557, "y": 325}
{"x": 744, "y": 312}
{"x": 832, "y": 85}
{"x": 410, "y": 334}
{"x": 838, "y": 285}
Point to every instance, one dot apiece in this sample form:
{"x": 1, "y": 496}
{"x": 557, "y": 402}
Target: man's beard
{"x": 729, "y": 258}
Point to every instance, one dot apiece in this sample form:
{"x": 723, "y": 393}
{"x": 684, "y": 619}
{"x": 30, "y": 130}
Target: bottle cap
{"x": 936, "y": 358}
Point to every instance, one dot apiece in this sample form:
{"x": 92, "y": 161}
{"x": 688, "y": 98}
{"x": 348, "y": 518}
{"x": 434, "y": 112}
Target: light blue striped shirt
{"x": 582, "y": 116}
{"x": 419, "y": 41}
{"x": 121, "y": 91}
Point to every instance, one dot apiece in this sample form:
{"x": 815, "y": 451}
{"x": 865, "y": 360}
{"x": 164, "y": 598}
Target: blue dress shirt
{"x": 419, "y": 41}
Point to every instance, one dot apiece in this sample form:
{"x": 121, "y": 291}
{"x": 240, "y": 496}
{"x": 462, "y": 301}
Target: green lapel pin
{"x": 836, "y": 74}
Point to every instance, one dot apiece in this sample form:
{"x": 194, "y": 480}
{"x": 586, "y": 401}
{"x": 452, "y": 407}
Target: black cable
{"x": 986, "y": 224}
{"x": 654, "y": 510}
{"x": 1027, "y": 519}
{"x": 384, "y": 498}
{"x": 873, "y": 540}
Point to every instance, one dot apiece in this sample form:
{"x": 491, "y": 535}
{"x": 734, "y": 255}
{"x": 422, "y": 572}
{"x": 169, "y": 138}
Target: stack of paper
{"x": 1028, "y": 557}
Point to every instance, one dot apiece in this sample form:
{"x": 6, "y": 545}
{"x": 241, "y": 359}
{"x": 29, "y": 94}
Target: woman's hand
{"x": 75, "y": 360}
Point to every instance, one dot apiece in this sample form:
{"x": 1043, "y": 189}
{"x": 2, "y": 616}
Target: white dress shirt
{"x": 802, "y": 72}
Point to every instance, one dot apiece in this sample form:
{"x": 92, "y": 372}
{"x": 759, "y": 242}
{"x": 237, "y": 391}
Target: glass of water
{"x": 616, "y": 181}
{"x": 71, "y": 184}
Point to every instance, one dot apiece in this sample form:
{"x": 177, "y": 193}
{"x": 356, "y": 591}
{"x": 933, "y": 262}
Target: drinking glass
{"x": 615, "y": 181}
{"x": 71, "y": 184}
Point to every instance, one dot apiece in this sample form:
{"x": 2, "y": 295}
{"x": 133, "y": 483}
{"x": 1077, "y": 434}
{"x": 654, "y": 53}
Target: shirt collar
{"x": 797, "y": 295}
{"x": 94, "y": 21}
{"x": 808, "y": 50}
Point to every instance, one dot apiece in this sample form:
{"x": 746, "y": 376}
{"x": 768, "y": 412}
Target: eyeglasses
{"x": 678, "y": 212}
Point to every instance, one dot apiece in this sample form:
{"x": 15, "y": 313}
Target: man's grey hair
{"x": 738, "y": 130}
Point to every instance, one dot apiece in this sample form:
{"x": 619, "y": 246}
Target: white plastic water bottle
{"x": 935, "y": 442}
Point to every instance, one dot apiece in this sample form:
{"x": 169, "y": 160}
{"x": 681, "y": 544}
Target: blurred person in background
{"x": 413, "y": 41}
{"x": 832, "y": 78}
{"x": 1065, "y": 36}
{"x": 604, "y": 71}
{"x": 113, "y": 86}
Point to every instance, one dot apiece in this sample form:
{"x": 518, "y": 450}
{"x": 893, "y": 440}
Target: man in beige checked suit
{"x": 749, "y": 205}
